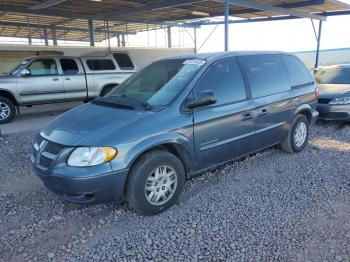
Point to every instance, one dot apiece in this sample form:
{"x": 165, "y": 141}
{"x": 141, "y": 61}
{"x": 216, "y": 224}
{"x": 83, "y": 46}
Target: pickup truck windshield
{"x": 159, "y": 83}
{"x": 19, "y": 67}
{"x": 333, "y": 76}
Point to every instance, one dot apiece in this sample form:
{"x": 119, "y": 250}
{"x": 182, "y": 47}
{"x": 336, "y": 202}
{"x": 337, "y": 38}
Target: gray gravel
{"x": 271, "y": 206}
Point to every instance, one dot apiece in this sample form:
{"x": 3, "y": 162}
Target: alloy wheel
{"x": 300, "y": 134}
{"x": 4, "y": 111}
{"x": 160, "y": 185}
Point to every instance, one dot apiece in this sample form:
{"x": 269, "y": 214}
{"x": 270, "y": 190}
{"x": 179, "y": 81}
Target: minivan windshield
{"x": 159, "y": 83}
{"x": 333, "y": 76}
{"x": 19, "y": 67}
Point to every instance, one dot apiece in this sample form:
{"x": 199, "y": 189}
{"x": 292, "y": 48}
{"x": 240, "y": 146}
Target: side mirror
{"x": 204, "y": 98}
{"x": 25, "y": 73}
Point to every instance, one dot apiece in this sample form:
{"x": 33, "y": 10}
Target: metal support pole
{"x": 54, "y": 36}
{"x": 46, "y": 38}
{"x": 108, "y": 35}
{"x": 91, "y": 32}
{"x": 195, "y": 39}
{"x": 118, "y": 40}
{"x": 169, "y": 36}
{"x": 318, "y": 44}
{"x": 226, "y": 11}
{"x": 123, "y": 40}
{"x": 30, "y": 40}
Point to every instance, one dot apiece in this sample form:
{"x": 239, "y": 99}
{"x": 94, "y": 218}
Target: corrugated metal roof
{"x": 28, "y": 17}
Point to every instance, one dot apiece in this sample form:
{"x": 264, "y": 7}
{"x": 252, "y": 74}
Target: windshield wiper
{"x": 145, "y": 105}
{"x": 109, "y": 103}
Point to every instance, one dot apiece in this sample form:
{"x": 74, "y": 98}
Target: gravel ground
{"x": 271, "y": 206}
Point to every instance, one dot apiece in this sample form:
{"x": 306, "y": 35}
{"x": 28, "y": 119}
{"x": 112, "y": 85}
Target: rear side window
{"x": 266, "y": 74}
{"x": 224, "y": 78}
{"x": 69, "y": 66}
{"x": 298, "y": 73}
{"x": 123, "y": 60}
{"x": 100, "y": 64}
{"x": 333, "y": 76}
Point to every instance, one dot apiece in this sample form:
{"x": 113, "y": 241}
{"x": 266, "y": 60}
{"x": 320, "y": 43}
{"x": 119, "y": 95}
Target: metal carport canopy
{"x": 88, "y": 19}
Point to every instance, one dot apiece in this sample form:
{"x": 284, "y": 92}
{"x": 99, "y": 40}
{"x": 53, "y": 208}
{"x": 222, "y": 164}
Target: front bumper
{"x": 334, "y": 112}
{"x": 96, "y": 189}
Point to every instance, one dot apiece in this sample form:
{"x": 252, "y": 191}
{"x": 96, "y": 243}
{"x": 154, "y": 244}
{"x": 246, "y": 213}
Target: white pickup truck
{"x": 43, "y": 80}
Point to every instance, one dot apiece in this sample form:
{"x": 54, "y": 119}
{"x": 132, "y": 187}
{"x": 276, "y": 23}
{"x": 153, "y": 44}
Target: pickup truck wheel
{"x": 155, "y": 182}
{"x": 298, "y": 135}
{"x": 7, "y": 110}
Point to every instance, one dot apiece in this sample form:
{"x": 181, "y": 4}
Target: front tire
{"x": 7, "y": 110}
{"x": 155, "y": 182}
{"x": 298, "y": 135}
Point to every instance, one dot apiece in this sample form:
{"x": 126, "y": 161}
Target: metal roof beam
{"x": 75, "y": 15}
{"x": 267, "y": 19}
{"x": 300, "y": 4}
{"x": 72, "y": 29}
{"x": 150, "y": 7}
{"x": 46, "y": 4}
{"x": 272, "y": 8}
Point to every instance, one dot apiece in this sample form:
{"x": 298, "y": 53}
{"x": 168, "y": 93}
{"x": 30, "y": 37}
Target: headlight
{"x": 340, "y": 101}
{"x": 91, "y": 156}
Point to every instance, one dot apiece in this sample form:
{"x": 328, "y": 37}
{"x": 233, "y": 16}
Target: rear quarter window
{"x": 299, "y": 75}
{"x": 123, "y": 60}
{"x": 266, "y": 74}
{"x": 100, "y": 64}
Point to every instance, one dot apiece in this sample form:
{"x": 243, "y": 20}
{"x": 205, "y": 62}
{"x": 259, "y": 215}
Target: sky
{"x": 288, "y": 35}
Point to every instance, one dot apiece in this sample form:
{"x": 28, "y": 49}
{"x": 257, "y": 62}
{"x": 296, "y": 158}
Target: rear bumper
{"x": 99, "y": 188}
{"x": 334, "y": 112}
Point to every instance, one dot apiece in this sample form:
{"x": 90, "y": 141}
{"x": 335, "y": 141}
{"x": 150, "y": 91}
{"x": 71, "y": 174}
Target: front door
{"x": 43, "y": 84}
{"x": 224, "y": 130}
{"x": 74, "y": 81}
{"x": 271, "y": 90}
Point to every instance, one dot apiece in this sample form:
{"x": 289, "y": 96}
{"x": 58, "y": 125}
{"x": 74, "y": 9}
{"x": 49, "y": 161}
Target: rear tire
{"x": 7, "y": 110}
{"x": 155, "y": 182}
{"x": 298, "y": 135}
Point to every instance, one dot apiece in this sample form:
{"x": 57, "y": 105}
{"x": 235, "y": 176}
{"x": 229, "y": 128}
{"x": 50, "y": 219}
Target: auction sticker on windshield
{"x": 197, "y": 62}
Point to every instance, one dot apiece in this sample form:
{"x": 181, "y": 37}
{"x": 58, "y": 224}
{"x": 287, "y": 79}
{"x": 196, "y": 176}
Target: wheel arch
{"x": 305, "y": 110}
{"x": 9, "y": 95}
{"x": 176, "y": 147}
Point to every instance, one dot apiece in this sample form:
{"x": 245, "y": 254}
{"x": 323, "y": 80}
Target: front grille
{"x": 53, "y": 148}
{"x": 324, "y": 100}
{"x": 48, "y": 153}
{"x": 45, "y": 161}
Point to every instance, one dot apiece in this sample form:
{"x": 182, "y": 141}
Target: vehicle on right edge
{"x": 333, "y": 84}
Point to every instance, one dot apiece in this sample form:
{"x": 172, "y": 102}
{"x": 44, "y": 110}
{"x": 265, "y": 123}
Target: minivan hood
{"x": 78, "y": 126}
{"x": 332, "y": 90}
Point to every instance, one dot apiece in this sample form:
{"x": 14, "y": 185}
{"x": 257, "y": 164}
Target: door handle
{"x": 55, "y": 79}
{"x": 247, "y": 116}
{"x": 262, "y": 112}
